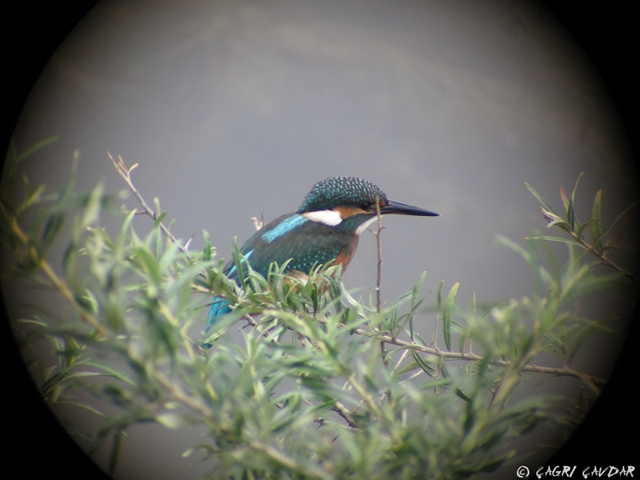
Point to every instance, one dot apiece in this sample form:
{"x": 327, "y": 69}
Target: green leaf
{"x": 582, "y": 228}
{"x": 51, "y": 229}
{"x": 82, "y": 405}
{"x": 575, "y": 189}
{"x": 460, "y": 394}
{"x": 596, "y": 221}
{"x": 569, "y": 241}
{"x": 447, "y": 314}
{"x": 38, "y": 146}
{"x": 619, "y": 217}
{"x": 122, "y": 236}
{"x": 565, "y": 201}
{"x": 422, "y": 364}
{"x": 158, "y": 221}
{"x": 33, "y": 197}
{"x": 511, "y": 245}
{"x": 416, "y": 288}
{"x": 554, "y": 220}
{"x": 94, "y": 205}
{"x": 172, "y": 421}
{"x": 148, "y": 264}
{"x": 238, "y": 260}
{"x": 544, "y": 203}
{"x": 111, "y": 370}
{"x": 207, "y": 250}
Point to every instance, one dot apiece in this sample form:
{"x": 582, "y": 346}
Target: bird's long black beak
{"x": 399, "y": 208}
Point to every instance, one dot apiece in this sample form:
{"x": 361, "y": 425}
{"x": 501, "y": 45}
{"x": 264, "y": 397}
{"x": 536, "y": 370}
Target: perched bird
{"x": 325, "y": 228}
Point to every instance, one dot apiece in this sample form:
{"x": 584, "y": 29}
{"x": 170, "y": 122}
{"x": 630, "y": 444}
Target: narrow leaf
{"x": 544, "y": 203}
{"x": 568, "y": 241}
{"x": 31, "y": 150}
{"x": 207, "y": 250}
{"x": 422, "y": 364}
{"x": 616, "y": 220}
{"x": 565, "y": 200}
{"x": 596, "y": 220}
{"x": 447, "y": 314}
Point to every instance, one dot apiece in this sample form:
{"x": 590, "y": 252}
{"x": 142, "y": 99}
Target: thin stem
{"x": 345, "y": 413}
{"x": 379, "y": 249}
{"x": 603, "y": 259}
{"x": 445, "y": 354}
{"x": 59, "y": 284}
{"x": 469, "y": 356}
{"x": 125, "y": 173}
{"x": 377, "y": 233}
{"x": 202, "y": 409}
{"x": 368, "y": 399}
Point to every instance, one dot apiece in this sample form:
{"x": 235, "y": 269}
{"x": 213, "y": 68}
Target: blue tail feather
{"x": 219, "y": 307}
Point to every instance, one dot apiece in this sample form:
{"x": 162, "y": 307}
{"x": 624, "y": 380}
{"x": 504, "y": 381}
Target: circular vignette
{"x": 598, "y": 33}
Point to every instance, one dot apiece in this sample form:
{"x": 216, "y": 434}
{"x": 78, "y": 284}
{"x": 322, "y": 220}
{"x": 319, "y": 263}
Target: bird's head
{"x": 352, "y": 202}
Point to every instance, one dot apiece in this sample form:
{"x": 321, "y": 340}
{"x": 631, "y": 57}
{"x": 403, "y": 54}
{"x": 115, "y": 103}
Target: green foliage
{"x": 598, "y": 243}
{"x": 322, "y": 385}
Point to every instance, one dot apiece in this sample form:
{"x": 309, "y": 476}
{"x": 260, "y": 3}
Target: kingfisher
{"x": 324, "y": 230}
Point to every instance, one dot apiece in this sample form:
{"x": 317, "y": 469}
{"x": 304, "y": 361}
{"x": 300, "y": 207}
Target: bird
{"x": 324, "y": 230}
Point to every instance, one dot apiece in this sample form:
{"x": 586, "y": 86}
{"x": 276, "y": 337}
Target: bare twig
{"x": 445, "y": 354}
{"x": 345, "y": 413}
{"x": 377, "y": 233}
{"x": 125, "y": 173}
{"x": 379, "y": 249}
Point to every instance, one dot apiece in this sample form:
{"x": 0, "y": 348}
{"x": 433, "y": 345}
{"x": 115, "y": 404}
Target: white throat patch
{"x": 326, "y": 217}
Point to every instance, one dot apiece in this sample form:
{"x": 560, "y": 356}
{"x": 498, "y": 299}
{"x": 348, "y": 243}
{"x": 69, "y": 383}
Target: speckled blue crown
{"x": 335, "y": 191}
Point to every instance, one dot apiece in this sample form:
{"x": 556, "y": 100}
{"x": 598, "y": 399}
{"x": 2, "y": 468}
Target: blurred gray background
{"x": 235, "y": 110}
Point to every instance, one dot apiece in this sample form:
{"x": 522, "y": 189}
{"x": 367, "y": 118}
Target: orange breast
{"x": 346, "y": 255}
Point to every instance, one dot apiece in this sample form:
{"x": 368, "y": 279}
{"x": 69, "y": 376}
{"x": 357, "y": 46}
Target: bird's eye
{"x": 365, "y": 206}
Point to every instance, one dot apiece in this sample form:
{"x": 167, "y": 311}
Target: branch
{"x": 379, "y": 278}
{"x": 125, "y": 173}
{"x": 57, "y": 282}
{"x": 257, "y": 445}
{"x": 601, "y": 256}
{"x": 468, "y": 356}
{"x": 444, "y": 354}
{"x": 379, "y": 248}
{"x": 345, "y": 413}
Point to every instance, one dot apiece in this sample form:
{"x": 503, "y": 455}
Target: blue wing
{"x": 285, "y": 238}
{"x": 220, "y": 306}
